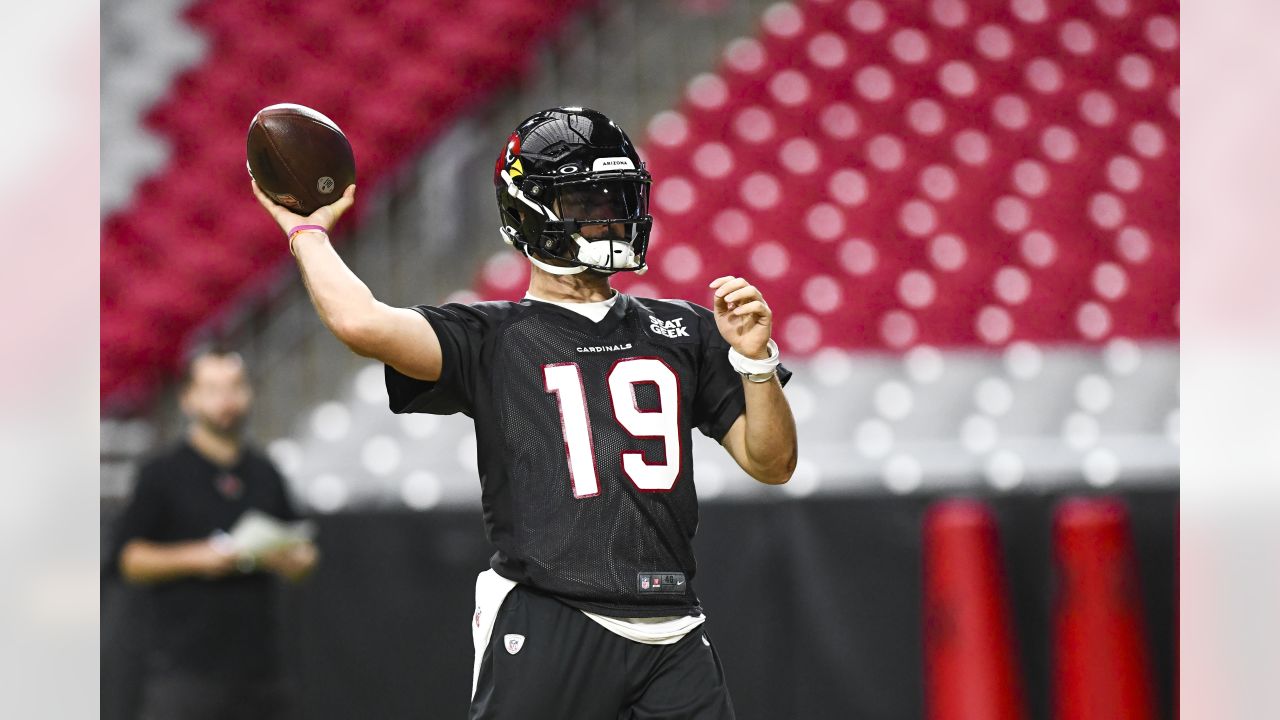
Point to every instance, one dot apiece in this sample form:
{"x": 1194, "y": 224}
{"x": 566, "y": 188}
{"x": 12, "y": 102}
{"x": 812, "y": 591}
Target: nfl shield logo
{"x": 644, "y": 582}
{"x": 513, "y": 643}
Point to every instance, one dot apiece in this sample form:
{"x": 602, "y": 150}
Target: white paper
{"x": 257, "y": 532}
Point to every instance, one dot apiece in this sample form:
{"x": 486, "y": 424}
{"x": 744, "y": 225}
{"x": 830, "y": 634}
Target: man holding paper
{"x": 208, "y": 526}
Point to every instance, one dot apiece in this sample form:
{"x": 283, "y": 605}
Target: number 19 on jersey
{"x": 564, "y": 380}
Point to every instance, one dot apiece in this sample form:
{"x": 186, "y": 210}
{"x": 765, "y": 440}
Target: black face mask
{"x": 616, "y": 206}
{"x": 602, "y": 200}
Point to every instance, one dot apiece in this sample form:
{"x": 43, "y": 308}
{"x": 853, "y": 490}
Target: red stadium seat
{"x": 955, "y": 174}
{"x": 391, "y": 74}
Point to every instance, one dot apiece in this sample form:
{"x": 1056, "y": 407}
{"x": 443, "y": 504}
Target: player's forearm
{"x": 344, "y": 303}
{"x": 399, "y": 337}
{"x": 770, "y": 432}
{"x": 146, "y": 562}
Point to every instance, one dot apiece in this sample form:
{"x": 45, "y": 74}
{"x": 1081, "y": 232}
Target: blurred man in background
{"x": 213, "y": 621}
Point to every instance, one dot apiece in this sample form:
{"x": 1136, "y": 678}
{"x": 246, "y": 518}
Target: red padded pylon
{"x": 971, "y": 670}
{"x": 1101, "y": 668}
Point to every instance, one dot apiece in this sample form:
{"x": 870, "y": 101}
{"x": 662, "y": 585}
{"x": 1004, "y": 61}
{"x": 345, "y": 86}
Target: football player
{"x": 583, "y": 400}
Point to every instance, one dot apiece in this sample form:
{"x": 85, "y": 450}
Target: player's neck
{"x": 583, "y": 287}
{"x": 219, "y": 449}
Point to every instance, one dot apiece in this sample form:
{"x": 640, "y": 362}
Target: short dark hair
{"x": 199, "y": 353}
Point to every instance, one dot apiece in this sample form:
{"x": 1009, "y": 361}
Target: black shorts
{"x": 568, "y": 667}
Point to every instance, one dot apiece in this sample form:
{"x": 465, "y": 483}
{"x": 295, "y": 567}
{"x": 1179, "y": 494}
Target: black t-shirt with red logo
{"x": 583, "y": 440}
{"x": 225, "y": 627}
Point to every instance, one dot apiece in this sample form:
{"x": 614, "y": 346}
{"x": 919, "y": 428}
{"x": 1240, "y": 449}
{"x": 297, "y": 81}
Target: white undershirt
{"x": 492, "y": 589}
{"x": 651, "y": 631}
{"x": 593, "y": 311}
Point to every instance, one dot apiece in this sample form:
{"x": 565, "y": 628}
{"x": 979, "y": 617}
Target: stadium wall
{"x": 814, "y": 606}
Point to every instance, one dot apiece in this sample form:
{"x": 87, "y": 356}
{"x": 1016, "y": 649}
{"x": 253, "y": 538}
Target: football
{"x": 299, "y": 157}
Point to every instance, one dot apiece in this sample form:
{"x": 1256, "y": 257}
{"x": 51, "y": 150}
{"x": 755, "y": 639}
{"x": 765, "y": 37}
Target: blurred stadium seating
{"x": 396, "y": 74}
{"x": 963, "y": 216}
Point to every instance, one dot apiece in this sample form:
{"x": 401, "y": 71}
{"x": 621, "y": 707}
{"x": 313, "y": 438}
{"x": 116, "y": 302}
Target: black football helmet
{"x": 572, "y": 188}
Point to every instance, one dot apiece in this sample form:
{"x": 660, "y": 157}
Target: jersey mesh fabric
{"x": 588, "y": 551}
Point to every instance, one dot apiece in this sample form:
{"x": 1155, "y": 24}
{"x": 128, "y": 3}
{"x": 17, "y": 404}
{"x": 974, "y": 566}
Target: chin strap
{"x": 599, "y": 252}
{"x": 554, "y": 269}
{"x": 595, "y": 253}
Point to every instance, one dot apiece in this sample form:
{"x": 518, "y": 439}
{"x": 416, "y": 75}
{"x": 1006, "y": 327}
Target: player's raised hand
{"x": 743, "y": 317}
{"x": 326, "y": 216}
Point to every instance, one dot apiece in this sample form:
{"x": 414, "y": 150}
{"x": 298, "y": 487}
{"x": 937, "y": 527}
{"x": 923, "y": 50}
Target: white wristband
{"x": 749, "y": 366}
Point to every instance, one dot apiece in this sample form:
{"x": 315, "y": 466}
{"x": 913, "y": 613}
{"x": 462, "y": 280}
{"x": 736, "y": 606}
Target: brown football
{"x": 299, "y": 157}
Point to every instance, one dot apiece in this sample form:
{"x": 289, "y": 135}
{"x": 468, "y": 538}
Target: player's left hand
{"x": 742, "y": 316}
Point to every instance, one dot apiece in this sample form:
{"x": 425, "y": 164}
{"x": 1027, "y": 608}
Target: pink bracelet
{"x": 303, "y": 228}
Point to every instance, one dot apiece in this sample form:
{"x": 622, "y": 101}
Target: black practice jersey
{"x": 583, "y": 440}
